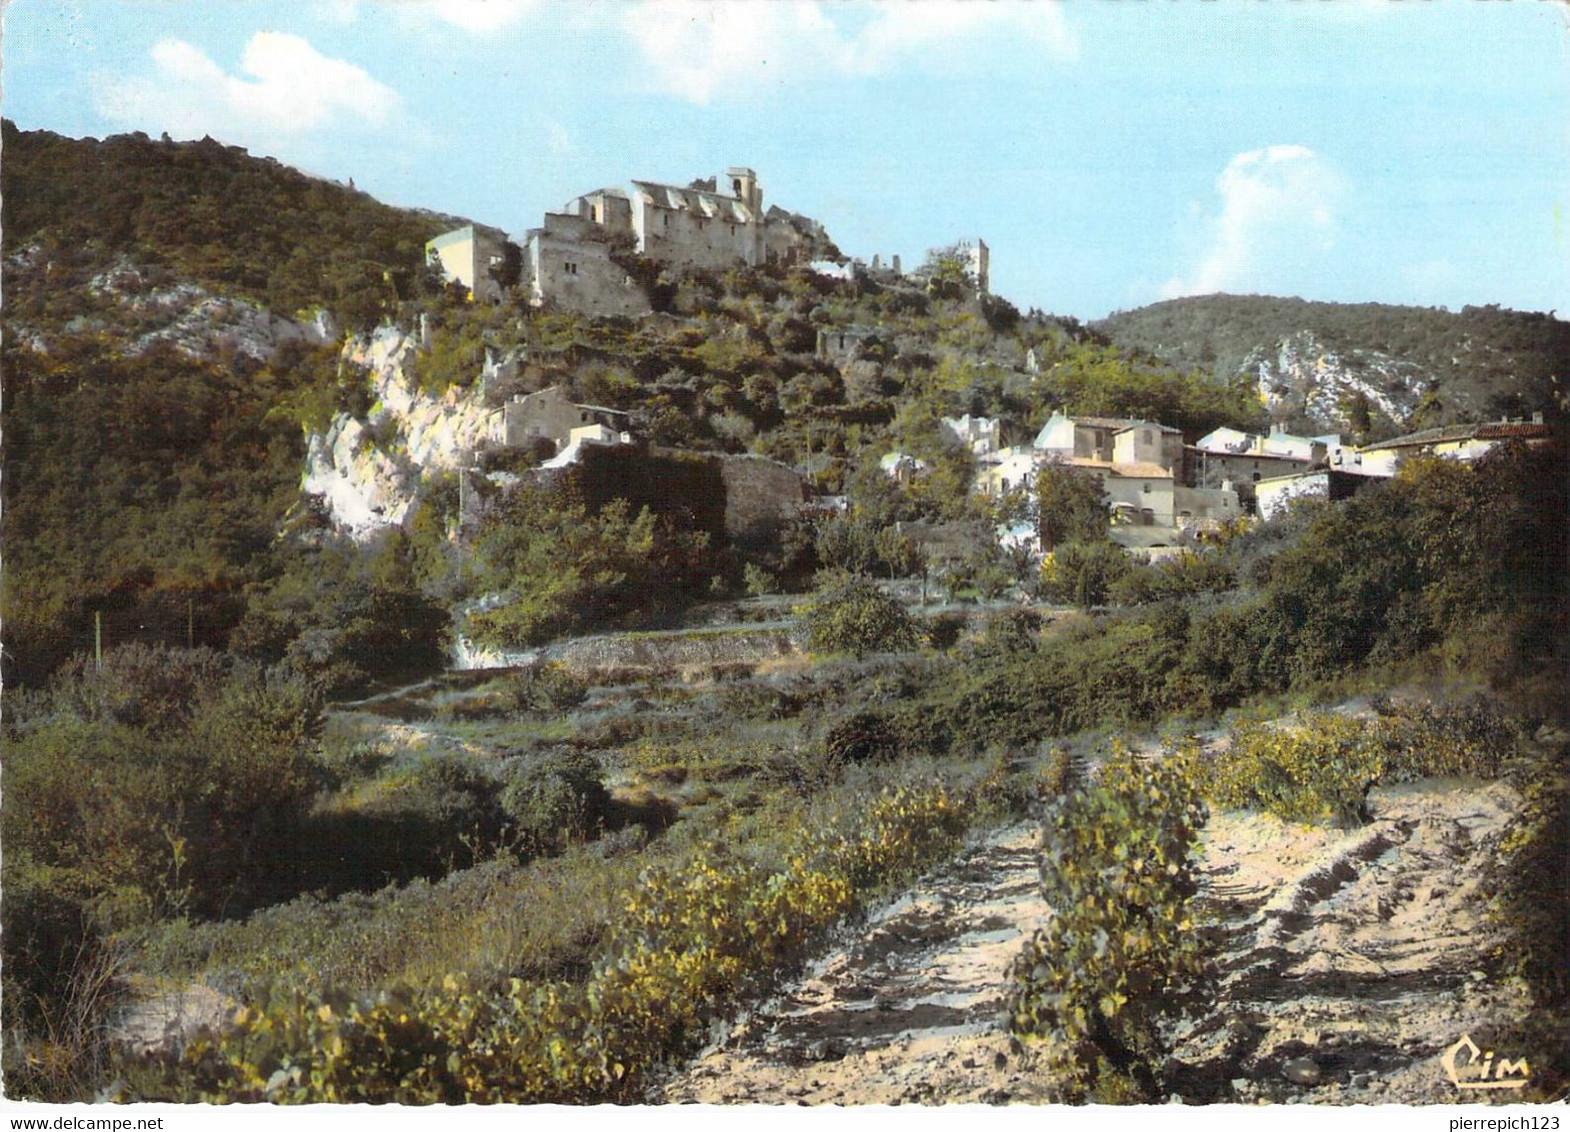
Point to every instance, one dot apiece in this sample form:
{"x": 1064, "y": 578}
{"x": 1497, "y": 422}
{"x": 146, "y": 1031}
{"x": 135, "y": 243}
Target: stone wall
{"x": 739, "y": 500}
{"x": 685, "y": 486}
{"x": 760, "y": 497}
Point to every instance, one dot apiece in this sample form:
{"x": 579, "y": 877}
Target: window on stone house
{"x": 1147, "y": 489}
{"x": 1146, "y": 437}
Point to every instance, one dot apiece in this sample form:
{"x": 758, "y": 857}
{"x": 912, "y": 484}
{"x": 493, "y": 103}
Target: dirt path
{"x": 907, "y": 1012}
{"x": 1362, "y": 951}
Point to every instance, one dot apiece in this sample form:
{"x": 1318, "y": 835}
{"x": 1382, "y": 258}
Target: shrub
{"x": 1187, "y": 574}
{"x": 1322, "y": 766}
{"x": 62, "y": 976}
{"x": 195, "y": 808}
{"x": 544, "y": 690}
{"x": 1083, "y": 572}
{"x": 1118, "y": 870}
{"x": 559, "y": 568}
{"x": 758, "y": 581}
{"x": 945, "y": 629}
{"x": 857, "y": 617}
{"x": 1071, "y": 505}
{"x": 155, "y": 688}
{"x": 863, "y": 736}
{"x": 690, "y": 938}
{"x": 556, "y": 801}
{"x": 1018, "y": 630}
{"x": 1530, "y": 897}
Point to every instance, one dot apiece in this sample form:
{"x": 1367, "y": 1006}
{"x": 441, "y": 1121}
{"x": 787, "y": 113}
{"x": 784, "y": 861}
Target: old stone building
{"x": 978, "y": 261}
{"x": 570, "y": 260}
{"x": 1110, "y": 440}
{"x": 567, "y": 262}
{"x": 717, "y": 222}
{"x": 550, "y": 415}
{"x": 475, "y": 256}
{"x": 845, "y": 345}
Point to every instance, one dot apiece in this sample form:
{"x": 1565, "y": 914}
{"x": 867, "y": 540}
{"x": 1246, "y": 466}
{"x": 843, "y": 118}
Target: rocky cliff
{"x": 1301, "y": 378}
{"x": 137, "y": 307}
{"x": 368, "y": 472}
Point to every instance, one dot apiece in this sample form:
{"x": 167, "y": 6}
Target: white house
{"x": 1456, "y": 442}
{"x": 1278, "y": 443}
{"x": 1226, "y": 439}
{"x": 1276, "y": 494}
{"x": 980, "y": 434}
{"x": 1013, "y": 469}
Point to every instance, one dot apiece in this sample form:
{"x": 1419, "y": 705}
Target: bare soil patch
{"x": 1347, "y": 961}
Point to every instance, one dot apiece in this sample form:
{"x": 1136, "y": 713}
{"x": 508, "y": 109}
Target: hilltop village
{"x": 1161, "y": 492}
{"x": 576, "y": 260}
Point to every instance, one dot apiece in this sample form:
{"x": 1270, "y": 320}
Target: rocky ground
{"x": 1348, "y": 960}
{"x": 905, "y": 1011}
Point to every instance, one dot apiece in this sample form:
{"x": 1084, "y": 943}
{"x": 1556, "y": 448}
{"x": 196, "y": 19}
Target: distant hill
{"x": 1334, "y": 365}
{"x": 211, "y": 214}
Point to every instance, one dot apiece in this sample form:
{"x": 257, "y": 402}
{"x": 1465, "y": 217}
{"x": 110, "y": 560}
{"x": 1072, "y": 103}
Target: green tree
{"x": 558, "y": 568}
{"x": 1083, "y": 572}
{"x": 1071, "y": 506}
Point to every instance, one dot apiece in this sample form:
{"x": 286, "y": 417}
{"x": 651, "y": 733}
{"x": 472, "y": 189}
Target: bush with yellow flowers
{"x": 691, "y": 939}
{"x": 1321, "y": 765}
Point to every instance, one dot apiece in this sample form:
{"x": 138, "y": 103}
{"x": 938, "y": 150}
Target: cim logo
{"x": 1468, "y": 1067}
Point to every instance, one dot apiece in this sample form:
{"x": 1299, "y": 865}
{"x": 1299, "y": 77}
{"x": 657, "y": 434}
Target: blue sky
{"x": 1111, "y": 152}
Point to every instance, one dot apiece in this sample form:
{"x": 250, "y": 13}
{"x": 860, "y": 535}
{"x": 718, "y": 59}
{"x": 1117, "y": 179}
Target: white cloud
{"x": 284, "y": 88}
{"x": 702, "y": 49}
{"x": 1278, "y": 217}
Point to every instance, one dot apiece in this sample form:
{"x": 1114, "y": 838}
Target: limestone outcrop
{"x": 368, "y": 472}
{"x": 1301, "y": 377}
